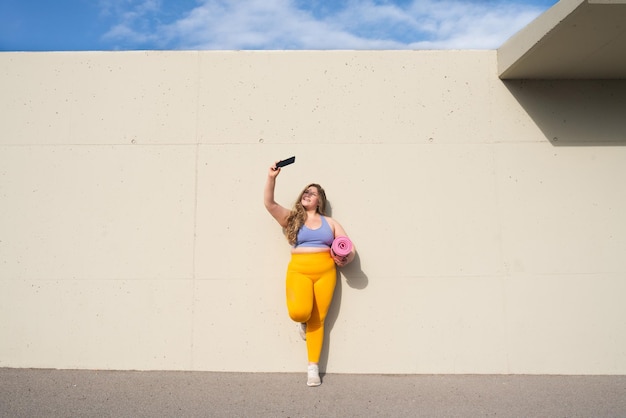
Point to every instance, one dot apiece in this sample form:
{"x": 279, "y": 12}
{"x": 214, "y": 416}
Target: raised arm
{"x": 279, "y": 212}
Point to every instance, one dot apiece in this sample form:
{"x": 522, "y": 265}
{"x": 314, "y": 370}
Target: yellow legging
{"x": 311, "y": 282}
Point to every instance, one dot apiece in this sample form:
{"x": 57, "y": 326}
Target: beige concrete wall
{"x": 489, "y": 217}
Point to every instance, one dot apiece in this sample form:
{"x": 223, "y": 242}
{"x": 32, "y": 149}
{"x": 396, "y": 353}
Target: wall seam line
{"x": 195, "y": 217}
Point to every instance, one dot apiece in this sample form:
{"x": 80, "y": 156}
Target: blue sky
{"x": 104, "y": 25}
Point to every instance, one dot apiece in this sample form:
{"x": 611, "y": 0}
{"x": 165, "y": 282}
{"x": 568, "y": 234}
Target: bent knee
{"x": 299, "y": 315}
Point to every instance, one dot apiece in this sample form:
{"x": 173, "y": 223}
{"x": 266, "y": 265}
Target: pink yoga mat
{"x": 342, "y": 246}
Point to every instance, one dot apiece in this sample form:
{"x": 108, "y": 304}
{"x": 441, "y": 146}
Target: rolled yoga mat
{"x": 342, "y": 246}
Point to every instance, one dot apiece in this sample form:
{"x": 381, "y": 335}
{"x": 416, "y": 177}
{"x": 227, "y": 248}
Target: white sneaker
{"x": 313, "y": 375}
{"x": 302, "y": 330}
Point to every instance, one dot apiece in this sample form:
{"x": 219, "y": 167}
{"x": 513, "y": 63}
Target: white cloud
{"x": 134, "y": 20}
{"x": 356, "y": 24}
{"x": 462, "y": 25}
{"x": 253, "y": 24}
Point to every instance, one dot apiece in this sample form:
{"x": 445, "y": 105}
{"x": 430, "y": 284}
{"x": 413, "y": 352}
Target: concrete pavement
{"x": 80, "y": 393}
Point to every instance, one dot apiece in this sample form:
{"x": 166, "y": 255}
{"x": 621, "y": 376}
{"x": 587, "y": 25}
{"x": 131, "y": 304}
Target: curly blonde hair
{"x": 297, "y": 217}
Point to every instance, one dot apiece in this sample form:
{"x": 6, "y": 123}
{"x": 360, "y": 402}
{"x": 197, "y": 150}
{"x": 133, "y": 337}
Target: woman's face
{"x": 310, "y": 198}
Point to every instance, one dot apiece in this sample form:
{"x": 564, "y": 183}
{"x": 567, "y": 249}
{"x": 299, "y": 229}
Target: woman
{"x": 311, "y": 273}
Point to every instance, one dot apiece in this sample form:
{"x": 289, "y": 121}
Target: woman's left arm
{"x": 340, "y": 232}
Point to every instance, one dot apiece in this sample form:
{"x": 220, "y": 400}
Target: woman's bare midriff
{"x": 309, "y": 250}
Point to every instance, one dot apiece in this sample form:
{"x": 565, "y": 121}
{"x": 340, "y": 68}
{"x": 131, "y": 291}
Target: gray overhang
{"x": 574, "y": 39}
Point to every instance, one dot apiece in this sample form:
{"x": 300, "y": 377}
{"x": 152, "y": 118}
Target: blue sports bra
{"x": 321, "y": 237}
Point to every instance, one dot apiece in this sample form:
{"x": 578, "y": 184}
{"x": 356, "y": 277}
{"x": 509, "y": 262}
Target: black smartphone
{"x": 288, "y": 161}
